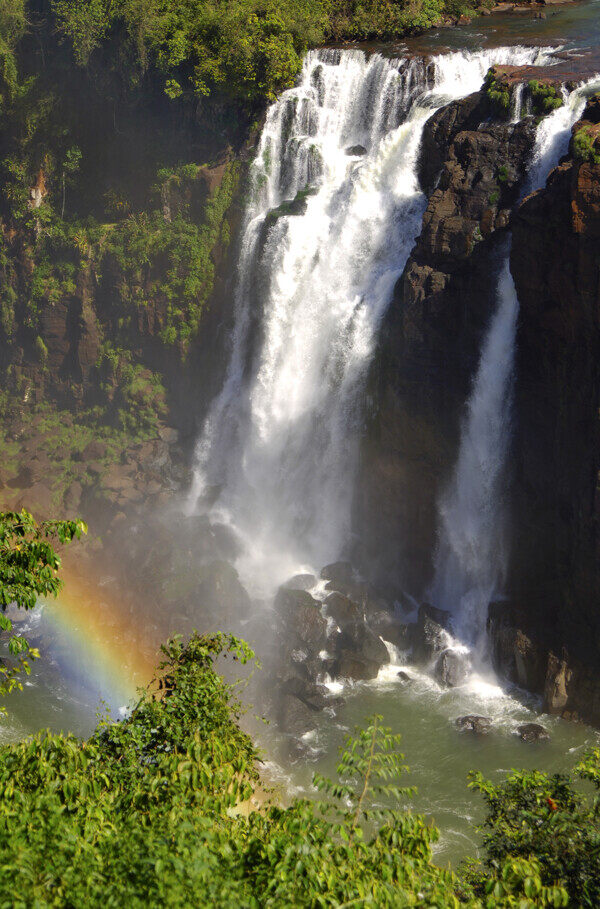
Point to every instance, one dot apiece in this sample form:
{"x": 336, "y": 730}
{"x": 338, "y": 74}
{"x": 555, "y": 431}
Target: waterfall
{"x": 334, "y": 209}
{"x": 517, "y": 102}
{"x": 472, "y": 552}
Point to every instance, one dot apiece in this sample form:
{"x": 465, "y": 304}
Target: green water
{"x": 438, "y": 754}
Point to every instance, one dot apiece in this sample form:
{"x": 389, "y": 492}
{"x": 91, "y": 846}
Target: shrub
{"x": 545, "y": 97}
{"x": 584, "y": 145}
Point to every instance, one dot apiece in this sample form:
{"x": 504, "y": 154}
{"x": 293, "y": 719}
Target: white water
{"x": 473, "y": 546}
{"x": 278, "y": 452}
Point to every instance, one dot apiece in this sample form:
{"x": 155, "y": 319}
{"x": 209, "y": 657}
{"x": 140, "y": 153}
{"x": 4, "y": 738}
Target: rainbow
{"x": 96, "y": 645}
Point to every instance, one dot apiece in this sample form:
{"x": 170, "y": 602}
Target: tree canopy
{"x": 29, "y": 568}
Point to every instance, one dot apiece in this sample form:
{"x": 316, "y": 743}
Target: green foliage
{"x": 12, "y": 28}
{"x": 138, "y": 396}
{"x": 249, "y": 49}
{"x": 169, "y": 263}
{"x": 534, "y": 814}
{"x": 584, "y": 145}
{"x": 497, "y": 93}
{"x": 28, "y": 570}
{"x": 150, "y": 811}
{"x": 546, "y": 98}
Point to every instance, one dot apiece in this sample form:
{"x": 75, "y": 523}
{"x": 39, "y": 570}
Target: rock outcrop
{"x": 556, "y": 552}
{"x": 472, "y": 166}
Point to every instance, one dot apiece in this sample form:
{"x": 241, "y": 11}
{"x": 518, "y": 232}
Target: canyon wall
{"x": 556, "y": 566}
{"x": 473, "y": 163}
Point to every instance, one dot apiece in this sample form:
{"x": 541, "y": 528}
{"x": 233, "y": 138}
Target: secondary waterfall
{"x": 473, "y": 546}
{"x": 334, "y": 209}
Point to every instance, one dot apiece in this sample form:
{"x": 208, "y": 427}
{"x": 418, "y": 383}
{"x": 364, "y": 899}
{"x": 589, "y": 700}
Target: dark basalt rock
{"x": 404, "y": 676}
{"x": 338, "y": 573}
{"x": 342, "y": 610}
{"x": 452, "y": 668}
{"x": 294, "y": 717}
{"x": 555, "y": 571}
{"x": 310, "y": 693}
{"x": 480, "y": 725}
{"x": 390, "y": 629}
{"x": 473, "y": 168}
{"x": 429, "y": 635}
{"x": 355, "y": 151}
{"x": 301, "y": 616}
{"x": 360, "y": 653}
{"x": 533, "y": 732}
{"x": 300, "y": 582}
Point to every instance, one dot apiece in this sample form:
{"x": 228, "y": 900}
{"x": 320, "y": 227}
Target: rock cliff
{"x": 472, "y": 165}
{"x": 556, "y": 556}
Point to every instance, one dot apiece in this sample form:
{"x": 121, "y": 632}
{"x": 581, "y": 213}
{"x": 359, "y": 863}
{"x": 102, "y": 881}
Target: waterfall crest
{"x": 334, "y": 209}
{"x": 472, "y": 555}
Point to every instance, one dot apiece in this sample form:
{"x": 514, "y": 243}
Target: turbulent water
{"x": 473, "y": 539}
{"x": 277, "y": 455}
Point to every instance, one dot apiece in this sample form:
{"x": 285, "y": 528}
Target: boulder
{"x": 355, "y": 151}
{"x": 360, "y": 653}
{"x": 404, "y": 676}
{"x": 350, "y": 666}
{"x": 300, "y": 582}
{"x": 452, "y": 668}
{"x": 310, "y": 693}
{"x": 219, "y": 593}
{"x": 301, "y": 615}
{"x": 480, "y": 725}
{"x": 294, "y": 717}
{"x": 390, "y": 629}
{"x": 342, "y": 610}
{"x": 429, "y": 635}
{"x": 338, "y": 573}
{"x": 532, "y": 732}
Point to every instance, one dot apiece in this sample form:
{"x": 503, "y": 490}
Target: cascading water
{"x": 473, "y": 551}
{"x": 334, "y": 211}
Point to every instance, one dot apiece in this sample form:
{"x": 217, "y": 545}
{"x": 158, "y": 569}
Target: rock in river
{"x": 480, "y": 725}
{"x": 533, "y": 732}
{"x": 452, "y": 668}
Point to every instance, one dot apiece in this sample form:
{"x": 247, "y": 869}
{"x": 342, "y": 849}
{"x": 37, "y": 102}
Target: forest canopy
{"x": 246, "y": 48}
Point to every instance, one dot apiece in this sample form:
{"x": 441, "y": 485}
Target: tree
{"x": 29, "y": 568}
{"x": 547, "y": 817}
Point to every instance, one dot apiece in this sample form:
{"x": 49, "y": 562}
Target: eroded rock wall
{"x": 472, "y": 166}
{"x": 556, "y": 558}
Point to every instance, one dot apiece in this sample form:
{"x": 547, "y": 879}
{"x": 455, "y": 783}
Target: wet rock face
{"x": 360, "y": 653}
{"x": 301, "y": 582}
{"x": 479, "y": 725}
{"x": 570, "y": 687}
{"x": 452, "y": 668}
{"x": 302, "y": 619}
{"x": 555, "y": 265}
{"x": 532, "y": 732}
{"x": 429, "y": 635}
{"x": 472, "y": 167}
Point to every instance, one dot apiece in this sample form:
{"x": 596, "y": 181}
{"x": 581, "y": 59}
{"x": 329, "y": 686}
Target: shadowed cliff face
{"x": 556, "y": 267}
{"x": 473, "y": 166}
